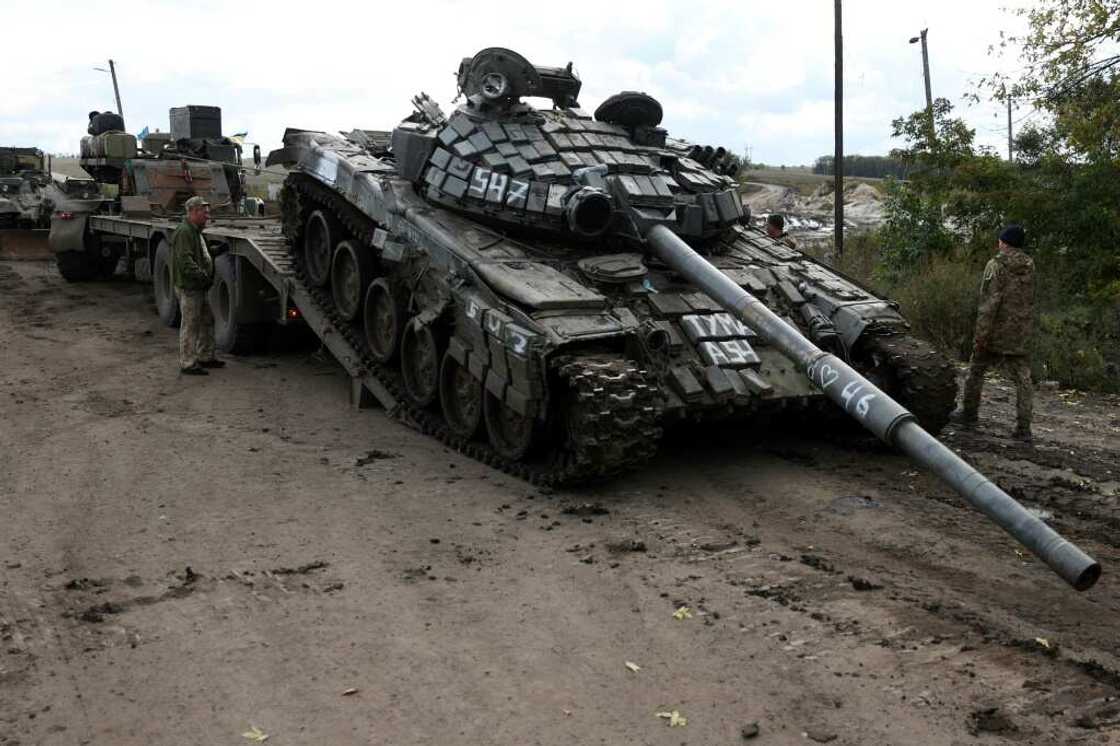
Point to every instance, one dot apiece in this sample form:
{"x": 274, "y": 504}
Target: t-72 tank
{"x": 547, "y": 290}
{"x": 497, "y": 261}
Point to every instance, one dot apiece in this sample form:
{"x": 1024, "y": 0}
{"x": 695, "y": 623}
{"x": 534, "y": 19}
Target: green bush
{"x": 939, "y": 300}
{"x": 1076, "y": 340}
{"x": 1070, "y": 347}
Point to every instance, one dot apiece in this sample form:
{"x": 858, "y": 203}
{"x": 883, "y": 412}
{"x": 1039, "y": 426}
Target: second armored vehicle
{"x": 24, "y": 198}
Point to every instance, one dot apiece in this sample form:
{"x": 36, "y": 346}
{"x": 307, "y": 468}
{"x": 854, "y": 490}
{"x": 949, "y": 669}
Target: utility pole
{"x": 838, "y": 163}
{"x": 925, "y": 73}
{"x": 116, "y": 90}
{"x": 1010, "y": 151}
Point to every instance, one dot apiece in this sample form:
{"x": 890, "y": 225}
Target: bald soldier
{"x": 1004, "y": 323}
{"x": 192, "y": 274}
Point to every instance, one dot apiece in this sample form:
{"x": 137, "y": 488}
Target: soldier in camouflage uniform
{"x": 1003, "y": 329}
{"x": 776, "y": 229}
{"x": 192, "y": 274}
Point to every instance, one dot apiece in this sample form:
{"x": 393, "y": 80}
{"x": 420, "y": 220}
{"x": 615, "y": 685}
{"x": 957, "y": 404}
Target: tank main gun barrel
{"x": 877, "y": 412}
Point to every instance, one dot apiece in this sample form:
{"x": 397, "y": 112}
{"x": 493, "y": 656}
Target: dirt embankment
{"x": 188, "y": 561}
{"x": 812, "y": 214}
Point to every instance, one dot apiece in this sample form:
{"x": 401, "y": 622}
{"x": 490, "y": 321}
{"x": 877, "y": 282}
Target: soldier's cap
{"x": 1013, "y": 235}
{"x": 194, "y": 202}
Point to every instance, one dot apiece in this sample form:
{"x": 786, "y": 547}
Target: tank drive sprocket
{"x": 925, "y": 382}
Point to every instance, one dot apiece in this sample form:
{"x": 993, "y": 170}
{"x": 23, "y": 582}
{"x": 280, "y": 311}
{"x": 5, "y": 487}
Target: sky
{"x": 742, "y": 74}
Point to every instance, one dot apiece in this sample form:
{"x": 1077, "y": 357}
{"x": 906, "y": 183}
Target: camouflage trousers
{"x": 196, "y": 330}
{"x": 1018, "y": 367}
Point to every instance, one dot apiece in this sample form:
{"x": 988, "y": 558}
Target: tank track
{"x": 615, "y": 416}
{"x": 927, "y": 382}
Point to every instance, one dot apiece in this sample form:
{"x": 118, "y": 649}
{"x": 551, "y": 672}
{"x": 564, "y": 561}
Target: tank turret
{"x": 562, "y": 169}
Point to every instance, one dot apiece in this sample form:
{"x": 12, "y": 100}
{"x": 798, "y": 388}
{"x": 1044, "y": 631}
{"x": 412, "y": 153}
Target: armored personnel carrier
{"x": 24, "y": 181}
{"x": 496, "y": 267}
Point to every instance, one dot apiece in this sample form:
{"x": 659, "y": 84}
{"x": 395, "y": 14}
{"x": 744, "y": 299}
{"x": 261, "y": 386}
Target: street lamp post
{"x": 925, "y": 72}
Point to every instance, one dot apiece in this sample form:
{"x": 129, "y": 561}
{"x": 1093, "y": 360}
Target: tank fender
{"x": 852, "y": 319}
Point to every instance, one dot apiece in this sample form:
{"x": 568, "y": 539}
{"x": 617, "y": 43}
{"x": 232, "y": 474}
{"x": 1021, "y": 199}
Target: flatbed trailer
{"x": 255, "y": 285}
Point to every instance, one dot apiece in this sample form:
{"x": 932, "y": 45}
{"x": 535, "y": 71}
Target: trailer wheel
{"x": 231, "y": 335}
{"x": 351, "y": 271}
{"x": 320, "y": 235}
{"x": 460, "y": 394}
{"x": 107, "y": 265}
{"x": 421, "y": 353}
{"x": 383, "y": 318}
{"x": 166, "y": 302}
{"x": 75, "y": 266}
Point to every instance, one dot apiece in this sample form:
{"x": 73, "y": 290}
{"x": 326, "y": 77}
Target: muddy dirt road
{"x": 205, "y": 561}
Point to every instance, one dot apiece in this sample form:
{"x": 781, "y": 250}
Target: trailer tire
{"x": 167, "y": 304}
{"x": 75, "y": 266}
{"x": 107, "y": 265}
{"x": 231, "y": 335}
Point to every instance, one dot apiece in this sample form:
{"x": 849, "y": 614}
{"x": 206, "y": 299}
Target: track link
{"x": 614, "y": 406}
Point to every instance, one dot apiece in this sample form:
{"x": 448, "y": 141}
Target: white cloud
{"x": 725, "y": 71}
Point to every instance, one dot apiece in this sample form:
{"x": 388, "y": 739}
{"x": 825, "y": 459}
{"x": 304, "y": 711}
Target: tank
{"x": 25, "y": 200}
{"x": 548, "y": 290}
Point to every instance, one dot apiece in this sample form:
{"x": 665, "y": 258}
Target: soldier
{"x": 1003, "y": 329}
{"x": 776, "y": 229}
{"x": 192, "y": 273}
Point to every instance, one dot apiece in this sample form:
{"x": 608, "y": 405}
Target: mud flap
{"x": 68, "y": 234}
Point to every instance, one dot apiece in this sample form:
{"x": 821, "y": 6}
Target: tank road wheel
{"x": 383, "y": 317}
{"x": 512, "y": 435}
{"x": 351, "y": 271}
{"x": 320, "y": 235}
{"x": 166, "y": 302}
{"x": 460, "y": 393}
{"x": 421, "y": 353}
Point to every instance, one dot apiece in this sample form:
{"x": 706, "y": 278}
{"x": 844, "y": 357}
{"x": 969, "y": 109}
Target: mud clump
{"x": 862, "y": 584}
{"x": 375, "y": 454}
{"x": 626, "y": 545}
{"x": 817, "y": 563}
{"x": 990, "y": 720}
{"x": 96, "y": 614}
{"x": 302, "y": 569}
{"x": 585, "y": 510}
